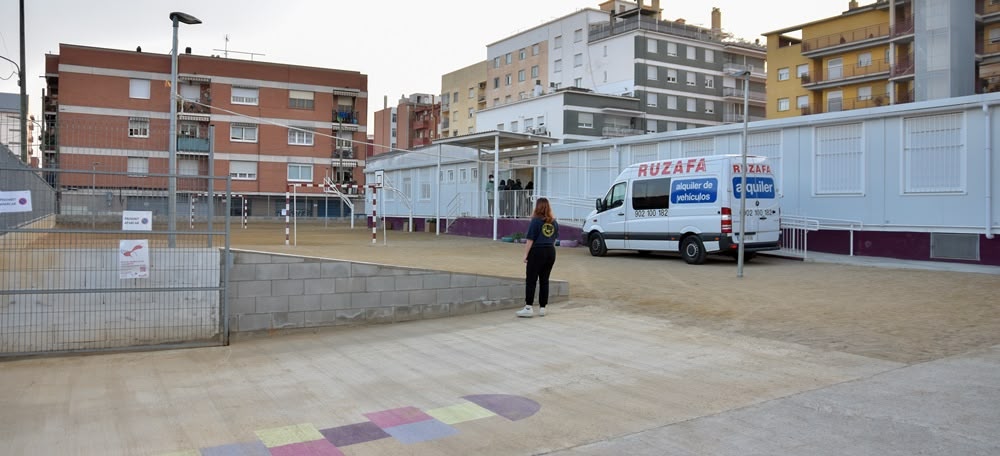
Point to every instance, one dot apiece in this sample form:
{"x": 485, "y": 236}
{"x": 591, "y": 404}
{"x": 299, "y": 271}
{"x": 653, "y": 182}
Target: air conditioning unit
{"x": 541, "y": 130}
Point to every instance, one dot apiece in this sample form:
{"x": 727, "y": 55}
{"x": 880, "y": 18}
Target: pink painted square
{"x": 313, "y": 448}
{"x": 395, "y": 417}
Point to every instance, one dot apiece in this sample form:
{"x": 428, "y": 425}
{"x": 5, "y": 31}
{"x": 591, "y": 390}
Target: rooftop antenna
{"x": 226, "y": 51}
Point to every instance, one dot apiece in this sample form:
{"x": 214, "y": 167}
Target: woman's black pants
{"x": 540, "y": 262}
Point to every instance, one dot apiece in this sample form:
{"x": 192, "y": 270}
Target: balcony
{"x": 445, "y": 123}
{"x": 620, "y": 132}
{"x": 731, "y": 92}
{"x": 607, "y": 29}
{"x": 987, "y": 7}
{"x": 342, "y": 152}
{"x": 345, "y": 116}
{"x": 201, "y": 107}
{"x": 730, "y": 68}
{"x": 902, "y": 28}
{"x": 848, "y": 104}
{"x": 873, "y": 68}
{"x": 864, "y": 34}
{"x": 421, "y": 142}
{"x": 904, "y": 67}
{"x": 987, "y": 48}
{"x": 732, "y": 117}
{"x": 51, "y": 103}
{"x": 192, "y": 144}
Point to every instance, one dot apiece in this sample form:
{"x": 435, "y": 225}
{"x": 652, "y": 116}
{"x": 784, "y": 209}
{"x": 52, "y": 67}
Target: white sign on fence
{"x": 19, "y": 201}
{"x": 133, "y": 259}
{"x": 137, "y": 220}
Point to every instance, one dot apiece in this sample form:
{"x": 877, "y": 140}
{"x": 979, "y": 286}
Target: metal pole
{"x": 172, "y": 145}
{"x": 743, "y": 173}
{"x": 295, "y": 214}
{"x": 211, "y": 183}
{"x": 437, "y": 195}
{"x": 227, "y": 261}
{"x": 496, "y": 183}
{"x": 93, "y": 194}
{"x": 24, "y": 94}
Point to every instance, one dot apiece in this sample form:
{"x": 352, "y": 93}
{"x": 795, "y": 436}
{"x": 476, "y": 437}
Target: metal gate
{"x": 89, "y": 260}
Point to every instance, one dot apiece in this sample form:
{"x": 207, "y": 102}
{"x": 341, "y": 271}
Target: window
{"x": 865, "y": 59}
{"x": 605, "y": 50}
{"x": 709, "y": 55}
{"x": 300, "y": 172}
{"x": 451, "y": 175}
{"x": 692, "y": 78}
{"x": 520, "y": 76}
{"x": 615, "y": 196}
{"x": 534, "y": 71}
{"x": 508, "y": 79}
{"x": 783, "y": 74}
{"x": 472, "y": 92}
{"x": 651, "y": 194}
{"x": 672, "y": 49}
{"x": 834, "y": 101}
{"x": 558, "y": 42}
{"x": 802, "y": 70}
{"x": 578, "y": 82}
{"x": 138, "y": 88}
{"x": 472, "y": 110}
{"x": 577, "y": 35}
{"x": 802, "y": 101}
{"x": 189, "y": 129}
{"x": 651, "y": 100}
{"x": 138, "y": 127}
{"x": 709, "y": 107}
{"x": 496, "y": 82}
{"x": 507, "y": 58}
{"x": 651, "y": 73}
{"x": 994, "y": 33}
{"x": 651, "y": 126}
{"x": 300, "y": 137}
{"x": 578, "y": 60}
{"x": 692, "y": 105}
{"x": 300, "y": 100}
{"x": 475, "y": 174}
{"x": 187, "y": 167}
{"x": 521, "y": 54}
{"x": 585, "y": 120}
{"x": 839, "y": 160}
{"x": 506, "y": 100}
{"x": 243, "y": 133}
{"x": 496, "y": 62}
{"x": 834, "y": 68}
{"x": 557, "y": 66}
{"x": 514, "y": 126}
{"x": 709, "y": 82}
{"x": 671, "y": 102}
{"x": 138, "y": 165}
{"x": 671, "y": 75}
{"x": 535, "y": 49}
{"x": 782, "y": 104}
{"x": 934, "y": 154}
{"x": 529, "y": 124}
{"x": 499, "y": 127}
{"x": 864, "y": 93}
{"x": 651, "y": 46}
{"x": 455, "y": 97}
{"x": 244, "y": 96}
{"x": 691, "y": 52}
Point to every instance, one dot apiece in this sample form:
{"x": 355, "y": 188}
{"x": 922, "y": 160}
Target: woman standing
{"x": 539, "y": 255}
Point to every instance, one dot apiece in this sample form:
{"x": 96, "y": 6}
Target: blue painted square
{"x": 421, "y": 431}
{"x": 238, "y": 449}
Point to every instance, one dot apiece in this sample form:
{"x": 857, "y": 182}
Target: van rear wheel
{"x": 692, "y": 250}
{"x": 597, "y": 246}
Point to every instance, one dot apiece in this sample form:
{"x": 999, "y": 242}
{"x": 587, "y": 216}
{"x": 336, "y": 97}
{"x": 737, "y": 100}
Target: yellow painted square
{"x": 183, "y": 453}
{"x": 460, "y": 413}
{"x": 298, "y": 433}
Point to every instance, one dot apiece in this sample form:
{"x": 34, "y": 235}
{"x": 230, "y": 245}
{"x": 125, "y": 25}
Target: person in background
{"x": 539, "y": 256}
{"x": 489, "y": 196}
{"x": 519, "y": 208}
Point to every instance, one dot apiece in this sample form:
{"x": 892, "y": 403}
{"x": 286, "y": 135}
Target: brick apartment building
{"x": 411, "y": 124}
{"x": 275, "y": 124}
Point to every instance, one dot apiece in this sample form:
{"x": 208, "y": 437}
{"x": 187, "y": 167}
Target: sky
{"x": 404, "y": 46}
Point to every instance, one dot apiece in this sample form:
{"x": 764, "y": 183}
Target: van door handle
{"x": 621, "y": 213}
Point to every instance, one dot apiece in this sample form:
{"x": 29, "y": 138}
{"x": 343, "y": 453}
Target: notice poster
{"x": 137, "y": 220}
{"x": 18, "y": 201}
{"x": 133, "y": 259}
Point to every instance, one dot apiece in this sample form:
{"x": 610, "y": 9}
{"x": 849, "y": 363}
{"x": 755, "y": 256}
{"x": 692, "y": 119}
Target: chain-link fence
{"x": 88, "y": 259}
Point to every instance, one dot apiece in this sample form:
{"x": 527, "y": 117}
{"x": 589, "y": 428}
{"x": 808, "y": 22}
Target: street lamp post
{"x": 176, "y": 18}
{"x": 93, "y": 194}
{"x": 743, "y": 172}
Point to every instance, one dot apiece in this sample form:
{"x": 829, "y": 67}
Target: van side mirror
{"x": 600, "y": 205}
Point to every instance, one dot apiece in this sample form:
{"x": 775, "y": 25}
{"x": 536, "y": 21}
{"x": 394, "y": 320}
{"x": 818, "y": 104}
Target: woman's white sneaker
{"x": 526, "y": 312}
{"x": 541, "y": 311}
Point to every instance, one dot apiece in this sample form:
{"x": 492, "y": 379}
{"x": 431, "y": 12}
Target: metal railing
{"x": 733, "y": 92}
{"x": 851, "y": 36}
{"x": 620, "y": 132}
{"x": 795, "y": 232}
{"x": 607, "y": 29}
{"x": 859, "y": 69}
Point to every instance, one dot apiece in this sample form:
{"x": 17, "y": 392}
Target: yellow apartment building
{"x": 886, "y": 52}
{"x": 463, "y": 93}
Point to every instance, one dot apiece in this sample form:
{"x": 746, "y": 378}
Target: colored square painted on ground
{"x": 396, "y": 417}
{"x": 183, "y": 453}
{"x": 353, "y": 434}
{"x": 237, "y": 449}
{"x": 460, "y": 413}
{"x": 314, "y": 448}
{"x": 298, "y": 433}
{"x": 421, "y": 431}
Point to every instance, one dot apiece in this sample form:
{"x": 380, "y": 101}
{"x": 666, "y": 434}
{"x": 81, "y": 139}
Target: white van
{"x": 688, "y": 205}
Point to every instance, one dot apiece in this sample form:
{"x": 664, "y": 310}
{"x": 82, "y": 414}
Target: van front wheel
{"x": 597, "y": 246}
{"x": 692, "y": 250}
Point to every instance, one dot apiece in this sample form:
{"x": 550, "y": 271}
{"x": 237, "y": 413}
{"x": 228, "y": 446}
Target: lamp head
{"x": 186, "y": 18}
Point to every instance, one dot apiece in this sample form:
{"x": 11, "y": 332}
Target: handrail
{"x": 819, "y": 223}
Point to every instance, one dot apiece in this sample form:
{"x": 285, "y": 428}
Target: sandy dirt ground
{"x": 893, "y": 314}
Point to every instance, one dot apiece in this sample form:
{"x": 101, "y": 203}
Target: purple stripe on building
{"x": 896, "y": 244}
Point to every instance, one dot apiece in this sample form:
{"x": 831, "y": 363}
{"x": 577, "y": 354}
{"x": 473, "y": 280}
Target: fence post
{"x": 211, "y": 182}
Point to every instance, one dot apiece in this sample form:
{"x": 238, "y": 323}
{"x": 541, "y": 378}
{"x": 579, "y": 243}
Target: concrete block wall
{"x": 274, "y": 291}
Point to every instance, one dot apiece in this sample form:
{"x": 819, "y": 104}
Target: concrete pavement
{"x": 604, "y": 383}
